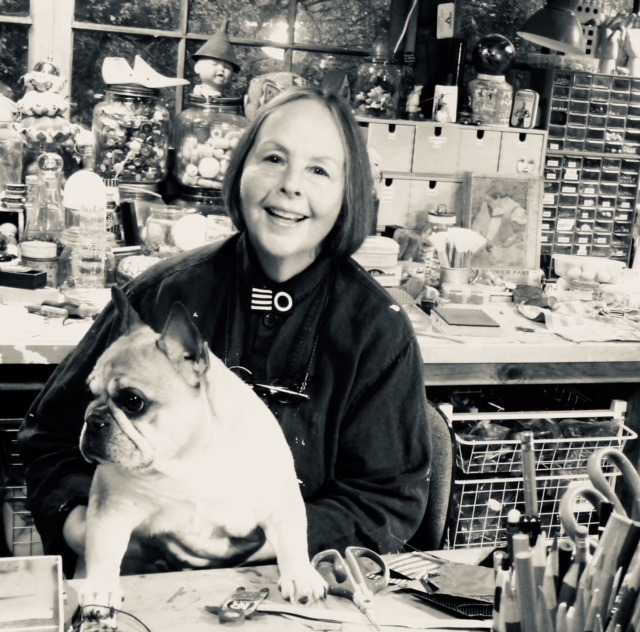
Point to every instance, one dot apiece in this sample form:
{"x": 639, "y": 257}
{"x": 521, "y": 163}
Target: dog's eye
{"x": 131, "y": 402}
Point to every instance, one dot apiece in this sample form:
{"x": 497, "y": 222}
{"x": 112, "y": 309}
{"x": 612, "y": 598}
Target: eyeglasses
{"x": 276, "y": 391}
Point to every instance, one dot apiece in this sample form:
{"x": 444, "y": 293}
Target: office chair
{"x": 432, "y": 532}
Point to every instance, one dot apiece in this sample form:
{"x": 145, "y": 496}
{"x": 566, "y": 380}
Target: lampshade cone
{"x": 555, "y": 28}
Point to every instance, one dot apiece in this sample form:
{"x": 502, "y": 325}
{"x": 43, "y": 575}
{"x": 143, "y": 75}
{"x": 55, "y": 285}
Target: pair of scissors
{"x": 353, "y": 577}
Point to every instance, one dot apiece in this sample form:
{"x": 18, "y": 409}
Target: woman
{"x": 283, "y": 300}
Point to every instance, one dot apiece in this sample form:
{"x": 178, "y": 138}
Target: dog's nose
{"x": 97, "y": 421}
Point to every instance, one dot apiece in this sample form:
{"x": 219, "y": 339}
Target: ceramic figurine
{"x": 216, "y": 65}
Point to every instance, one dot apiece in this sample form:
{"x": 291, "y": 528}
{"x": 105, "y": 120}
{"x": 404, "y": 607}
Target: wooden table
{"x": 171, "y": 602}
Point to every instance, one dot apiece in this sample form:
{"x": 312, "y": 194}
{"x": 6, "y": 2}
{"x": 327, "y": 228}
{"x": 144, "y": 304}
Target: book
{"x": 461, "y": 321}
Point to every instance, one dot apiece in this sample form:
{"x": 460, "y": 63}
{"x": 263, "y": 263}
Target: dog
{"x": 184, "y": 448}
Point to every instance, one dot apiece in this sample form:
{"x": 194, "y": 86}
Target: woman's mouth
{"x": 284, "y": 217}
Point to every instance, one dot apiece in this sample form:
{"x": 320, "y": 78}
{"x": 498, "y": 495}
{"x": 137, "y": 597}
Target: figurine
{"x": 413, "y": 103}
{"x": 216, "y": 65}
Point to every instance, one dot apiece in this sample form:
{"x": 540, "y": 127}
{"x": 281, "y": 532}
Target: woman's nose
{"x": 291, "y": 181}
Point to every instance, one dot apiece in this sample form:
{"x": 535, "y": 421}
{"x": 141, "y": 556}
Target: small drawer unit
{"x": 489, "y": 479}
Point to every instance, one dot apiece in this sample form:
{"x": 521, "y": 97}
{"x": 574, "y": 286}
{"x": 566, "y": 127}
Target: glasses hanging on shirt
{"x": 275, "y": 391}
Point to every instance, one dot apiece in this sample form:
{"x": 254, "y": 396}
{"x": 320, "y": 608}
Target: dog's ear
{"x": 129, "y": 319}
{"x": 182, "y": 343}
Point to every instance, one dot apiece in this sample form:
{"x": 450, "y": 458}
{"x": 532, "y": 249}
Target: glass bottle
{"x": 158, "y": 233}
{"x": 377, "y": 88}
{"x": 11, "y": 148}
{"x": 92, "y": 222}
{"x": 205, "y": 135}
{"x": 131, "y": 135}
{"x": 45, "y": 223}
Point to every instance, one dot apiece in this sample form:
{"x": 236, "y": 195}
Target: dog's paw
{"x": 304, "y": 585}
{"x": 97, "y": 599}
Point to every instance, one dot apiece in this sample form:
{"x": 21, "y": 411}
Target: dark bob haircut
{"x": 355, "y": 220}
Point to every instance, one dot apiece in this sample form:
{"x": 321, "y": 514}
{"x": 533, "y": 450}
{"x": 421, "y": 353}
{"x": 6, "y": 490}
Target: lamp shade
{"x": 555, "y": 26}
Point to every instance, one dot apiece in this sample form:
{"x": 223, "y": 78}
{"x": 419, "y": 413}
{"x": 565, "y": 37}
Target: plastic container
{"x": 92, "y": 222}
{"x": 131, "y": 135}
{"x": 202, "y": 201}
{"x": 43, "y": 256}
{"x": 69, "y": 263}
{"x": 205, "y": 135}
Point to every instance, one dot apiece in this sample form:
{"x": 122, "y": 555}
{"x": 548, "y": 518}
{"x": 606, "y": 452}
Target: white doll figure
{"x": 215, "y": 65}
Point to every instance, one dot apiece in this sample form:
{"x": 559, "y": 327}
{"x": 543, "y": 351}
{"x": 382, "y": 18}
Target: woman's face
{"x": 292, "y": 186}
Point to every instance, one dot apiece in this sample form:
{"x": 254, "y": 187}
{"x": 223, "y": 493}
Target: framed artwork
{"x": 507, "y": 211}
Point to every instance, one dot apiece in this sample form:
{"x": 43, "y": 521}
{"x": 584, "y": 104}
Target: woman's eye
{"x": 276, "y": 160}
{"x": 319, "y": 171}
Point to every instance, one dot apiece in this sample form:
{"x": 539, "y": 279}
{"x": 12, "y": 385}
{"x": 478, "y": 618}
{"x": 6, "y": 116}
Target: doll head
{"x": 215, "y": 64}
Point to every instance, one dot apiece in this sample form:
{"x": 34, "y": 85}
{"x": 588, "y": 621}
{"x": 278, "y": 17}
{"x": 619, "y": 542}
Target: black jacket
{"x": 360, "y": 443}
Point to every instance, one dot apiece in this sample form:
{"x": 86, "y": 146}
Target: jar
{"x": 43, "y": 256}
{"x": 377, "y": 87}
{"x": 136, "y": 202}
{"x": 131, "y": 135}
{"x": 202, "y": 201}
{"x": 11, "y": 148}
{"x": 158, "y": 232}
{"x": 491, "y": 98}
{"x": 439, "y": 221}
{"x": 69, "y": 262}
{"x": 205, "y": 135}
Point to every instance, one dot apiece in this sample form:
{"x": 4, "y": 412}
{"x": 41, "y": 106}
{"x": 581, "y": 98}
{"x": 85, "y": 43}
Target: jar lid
{"x": 204, "y": 100}
{"x": 196, "y": 194}
{"x": 132, "y": 89}
{"x": 442, "y": 218}
{"x": 39, "y": 249}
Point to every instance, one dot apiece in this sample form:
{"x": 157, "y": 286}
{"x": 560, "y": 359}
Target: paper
{"x": 117, "y": 70}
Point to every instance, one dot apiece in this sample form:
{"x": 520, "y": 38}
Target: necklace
{"x": 281, "y": 394}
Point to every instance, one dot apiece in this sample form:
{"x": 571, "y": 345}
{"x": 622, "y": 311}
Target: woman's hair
{"x": 355, "y": 221}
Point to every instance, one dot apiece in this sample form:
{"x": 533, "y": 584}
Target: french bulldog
{"x": 185, "y": 448}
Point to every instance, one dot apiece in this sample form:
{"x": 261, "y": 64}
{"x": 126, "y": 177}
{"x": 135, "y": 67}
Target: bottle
{"x": 92, "y": 245}
{"x": 11, "y": 147}
{"x": 77, "y": 187}
{"x": 45, "y": 222}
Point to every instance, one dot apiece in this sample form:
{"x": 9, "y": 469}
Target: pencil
{"x": 509, "y": 606}
{"x": 546, "y": 621}
{"x": 512, "y": 528}
{"x": 520, "y": 544}
{"x": 526, "y": 591}
{"x": 565, "y": 552}
{"x": 501, "y": 576}
{"x": 569, "y": 586}
{"x": 561, "y": 618}
{"x": 540, "y": 559}
{"x": 549, "y": 587}
{"x": 529, "y": 474}
{"x": 627, "y": 595}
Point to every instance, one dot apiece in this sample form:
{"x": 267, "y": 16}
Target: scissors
{"x": 597, "y": 475}
{"x": 350, "y": 577}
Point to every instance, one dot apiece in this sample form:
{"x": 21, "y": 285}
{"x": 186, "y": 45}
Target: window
{"x": 302, "y": 36}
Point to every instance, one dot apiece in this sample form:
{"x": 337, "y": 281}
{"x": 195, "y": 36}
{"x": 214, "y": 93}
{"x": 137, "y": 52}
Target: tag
{"x": 240, "y": 605}
{"x": 444, "y": 23}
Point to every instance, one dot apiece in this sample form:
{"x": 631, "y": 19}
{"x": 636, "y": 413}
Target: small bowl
{"x": 577, "y": 267}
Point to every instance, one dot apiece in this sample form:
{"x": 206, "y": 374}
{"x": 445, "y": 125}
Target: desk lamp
{"x": 555, "y": 26}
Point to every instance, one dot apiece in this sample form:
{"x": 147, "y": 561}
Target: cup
{"x": 455, "y": 276}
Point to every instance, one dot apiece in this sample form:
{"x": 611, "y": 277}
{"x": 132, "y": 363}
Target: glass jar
{"x": 202, "y": 201}
{"x": 491, "y": 98}
{"x": 69, "y": 262}
{"x": 136, "y": 202}
{"x": 11, "y": 148}
{"x": 205, "y": 135}
{"x": 377, "y": 87}
{"x": 158, "y": 232}
{"x": 131, "y": 135}
{"x": 439, "y": 221}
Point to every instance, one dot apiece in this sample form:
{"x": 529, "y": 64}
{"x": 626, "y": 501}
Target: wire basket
{"x": 583, "y": 432}
{"x": 20, "y": 534}
{"x": 480, "y": 507}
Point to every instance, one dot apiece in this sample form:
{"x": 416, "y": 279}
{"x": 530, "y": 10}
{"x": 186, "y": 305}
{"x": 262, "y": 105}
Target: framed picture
{"x": 507, "y": 211}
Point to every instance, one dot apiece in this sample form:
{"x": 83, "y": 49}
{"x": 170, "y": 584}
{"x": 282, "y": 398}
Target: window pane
{"x": 14, "y": 8}
{"x": 247, "y": 18}
{"x": 338, "y": 23}
{"x": 253, "y": 62}
{"x": 90, "y": 48}
{"x": 318, "y": 68}
{"x": 14, "y": 50}
{"x": 151, "y": 14}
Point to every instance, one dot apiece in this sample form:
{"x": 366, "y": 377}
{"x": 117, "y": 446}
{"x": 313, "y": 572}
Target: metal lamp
{"x": 555, "y": 26}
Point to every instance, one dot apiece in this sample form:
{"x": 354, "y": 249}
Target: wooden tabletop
{"x": 167, "y": 602}
{"x": 514, "y": 357}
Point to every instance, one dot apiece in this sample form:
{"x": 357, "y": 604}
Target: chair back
{"x": 432, "y": 532}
